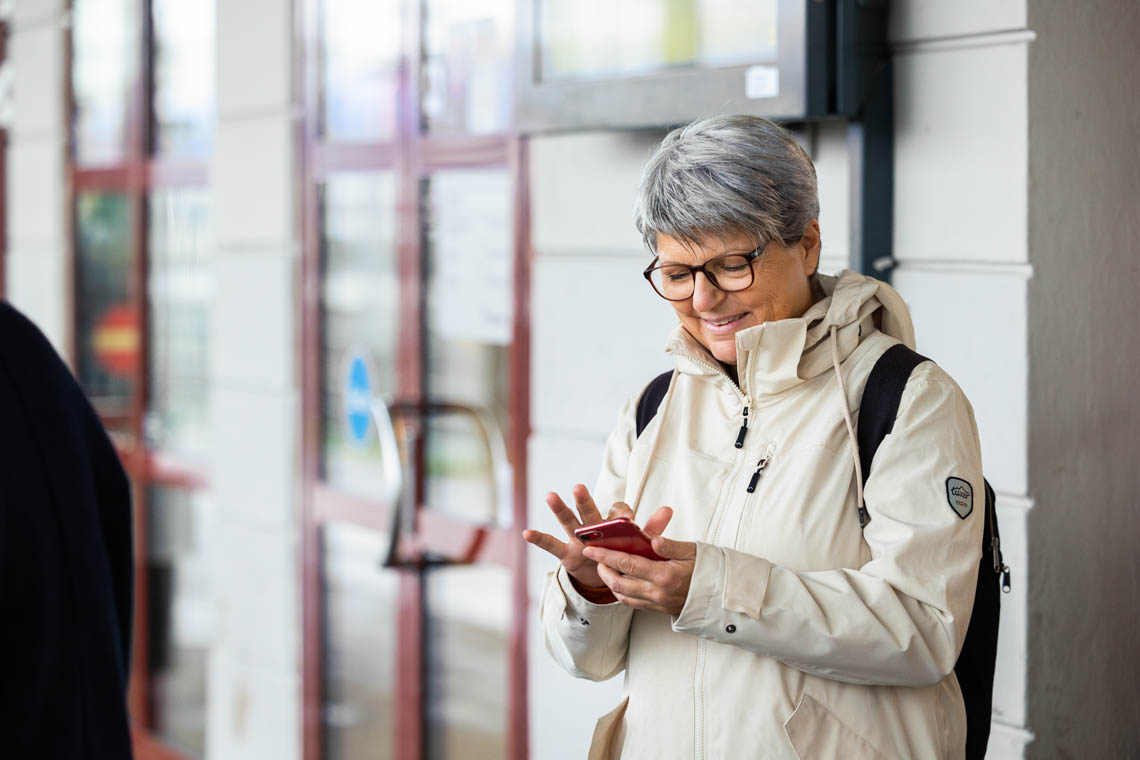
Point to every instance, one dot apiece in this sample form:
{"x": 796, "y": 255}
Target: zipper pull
{"x": 756, "y": 475}
{"x": 1005, "y": 580}
{"x": 743, "y": 431}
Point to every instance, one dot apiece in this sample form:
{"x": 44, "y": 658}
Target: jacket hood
{"x": 775, "y": 356}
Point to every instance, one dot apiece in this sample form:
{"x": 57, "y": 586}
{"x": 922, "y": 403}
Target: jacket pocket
{"x": 609, "y": 734}
{"x": 816, "y": 734}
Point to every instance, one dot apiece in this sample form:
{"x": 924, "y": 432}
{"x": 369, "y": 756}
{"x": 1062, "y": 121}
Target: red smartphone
{"x": 621, "y": 535}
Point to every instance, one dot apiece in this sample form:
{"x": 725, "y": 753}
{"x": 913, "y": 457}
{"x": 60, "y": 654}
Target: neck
{"x": 731, "y": 370}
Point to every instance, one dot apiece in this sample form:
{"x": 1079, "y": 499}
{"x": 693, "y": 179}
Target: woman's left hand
{"x": 646, "y": 584}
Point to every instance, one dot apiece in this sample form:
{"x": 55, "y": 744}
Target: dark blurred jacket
{"x": 65, "y": 561}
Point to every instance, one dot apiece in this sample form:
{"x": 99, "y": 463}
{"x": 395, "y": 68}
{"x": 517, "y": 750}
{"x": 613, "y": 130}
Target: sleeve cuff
{"x": 726, "y": 586}
{"x": 575, "y": 602}
{"x": 702, "y": 603}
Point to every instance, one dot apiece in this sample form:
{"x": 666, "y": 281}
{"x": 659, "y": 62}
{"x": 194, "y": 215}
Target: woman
{"x": 776, "y": 627}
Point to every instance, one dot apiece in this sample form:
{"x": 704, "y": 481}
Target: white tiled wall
{"x": 253, "y": 328}
{"x": 254, "y": 686}
{"x": 961, "y": 239}
{"x": 255, "y": 66}
{"x": 37, "y": 52}
{"x": 253, "y": 180}
{"x": 934, "y": 19}
{"x": 961, "y": 136}
{"x": 36, "y": 247}
{"x": 254, "y": 711}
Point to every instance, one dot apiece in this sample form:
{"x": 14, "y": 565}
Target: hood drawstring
{"x": 656, "y": 440}
{"x": 833, "y": 334}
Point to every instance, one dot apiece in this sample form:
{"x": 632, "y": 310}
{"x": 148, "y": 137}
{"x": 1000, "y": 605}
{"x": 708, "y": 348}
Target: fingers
{"x": 585, "y": 505}
{"x": 546, "y": 542}
{"x": 620, "y": 509}
{"x": 562, "y": 513}
{"x": 626, "y": 585}
{"x": 656, "y": 523}
{"x": 626, "y": 564}
{"x": 670, "y": 549}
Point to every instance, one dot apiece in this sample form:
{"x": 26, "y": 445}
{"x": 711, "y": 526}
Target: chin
{"x": 723, "y": 352}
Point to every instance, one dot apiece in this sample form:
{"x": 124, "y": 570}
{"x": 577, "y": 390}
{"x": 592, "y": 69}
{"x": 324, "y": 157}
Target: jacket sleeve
{"x": 590, "y": 640}
{"x": 901, "y": 618}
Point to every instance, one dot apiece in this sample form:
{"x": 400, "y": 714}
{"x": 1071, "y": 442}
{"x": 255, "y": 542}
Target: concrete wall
{"x": 1084, "y": 412}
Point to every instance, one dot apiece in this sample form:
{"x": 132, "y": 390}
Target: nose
{"x": 706, "y": 296}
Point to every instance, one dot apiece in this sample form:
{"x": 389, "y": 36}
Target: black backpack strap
{"x": 881, "y": 397}
{"x": 651, "y": 398}
{"x": 880, "y": 406}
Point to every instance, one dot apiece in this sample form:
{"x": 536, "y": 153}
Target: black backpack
{"x": 880, "y": 403}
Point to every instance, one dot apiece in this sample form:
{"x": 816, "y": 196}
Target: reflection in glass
{"x": 642, "y": 36}
{"x": 180, "y": 616}
{"x": 103, "y": 72}
{"x": 358, "y": 639}
{"x": 183, "y": 77}
{"x": 360, "y": 304}
{"x": 470, "y": 291}
{"x": 107, "y": 334}
{"x": 468, "y": 77}
{"x": 180, "y": 290}
{"x": 468, "y": 661}
{"x": 359, "y": 56}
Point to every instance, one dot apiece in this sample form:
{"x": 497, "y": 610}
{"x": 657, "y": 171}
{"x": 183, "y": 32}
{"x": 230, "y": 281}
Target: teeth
{"x": 725, "y": 321}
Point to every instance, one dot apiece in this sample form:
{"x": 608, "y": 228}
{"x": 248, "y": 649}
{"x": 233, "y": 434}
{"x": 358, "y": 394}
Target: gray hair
{"x": 723, "y": 176}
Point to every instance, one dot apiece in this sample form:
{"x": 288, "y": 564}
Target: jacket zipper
{"x": 699, "y": 741}
{"x": 756, "y": 475}
{"x": 745, "y": 399}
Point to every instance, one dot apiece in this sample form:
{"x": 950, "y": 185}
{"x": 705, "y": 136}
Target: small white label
{"x": 761, "y": 82}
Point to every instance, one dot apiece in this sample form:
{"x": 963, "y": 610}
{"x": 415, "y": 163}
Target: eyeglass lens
{"x": 729, "y": 273}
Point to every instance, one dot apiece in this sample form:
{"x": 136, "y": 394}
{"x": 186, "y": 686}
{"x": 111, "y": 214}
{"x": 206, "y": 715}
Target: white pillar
{"x": 254, "y": 691}
{"x": 36, "y": 257}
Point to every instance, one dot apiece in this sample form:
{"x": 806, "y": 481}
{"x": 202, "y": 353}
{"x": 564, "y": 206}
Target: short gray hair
{"x": 724, "y": 176}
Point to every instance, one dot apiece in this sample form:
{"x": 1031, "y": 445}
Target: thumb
{"x": 657, "y": 521}
{"x": 670, "y": 549}
{"x": 620, "y": 509}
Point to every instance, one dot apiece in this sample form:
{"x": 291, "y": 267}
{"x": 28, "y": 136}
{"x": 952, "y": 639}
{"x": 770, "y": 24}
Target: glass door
{"x": 415, "y": 383}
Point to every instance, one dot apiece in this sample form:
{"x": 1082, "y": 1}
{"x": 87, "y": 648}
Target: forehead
{"x": 670, "y": 249}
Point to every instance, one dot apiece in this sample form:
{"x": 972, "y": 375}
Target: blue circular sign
{"x": 358, "y": 400}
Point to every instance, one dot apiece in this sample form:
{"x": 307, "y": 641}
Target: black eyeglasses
{"x": 730, "y": 272}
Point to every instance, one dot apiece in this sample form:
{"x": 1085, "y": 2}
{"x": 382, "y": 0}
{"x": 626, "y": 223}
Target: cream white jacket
{"x": 802, "y": 636}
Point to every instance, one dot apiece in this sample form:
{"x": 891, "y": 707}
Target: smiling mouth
{"x": 722, "y": 323}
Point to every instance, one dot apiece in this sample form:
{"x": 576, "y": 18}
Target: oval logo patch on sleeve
{"x": 960, "y": 494}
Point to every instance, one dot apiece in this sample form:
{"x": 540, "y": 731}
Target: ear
{"x": 811, "y": 243}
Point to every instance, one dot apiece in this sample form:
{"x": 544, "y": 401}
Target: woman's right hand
{"x": 584, "y": 571}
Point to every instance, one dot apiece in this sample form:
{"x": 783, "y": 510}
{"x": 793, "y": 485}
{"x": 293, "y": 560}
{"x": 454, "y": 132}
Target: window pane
{"x": 180, "y": 290}
{"x": 360, "y": 305}
{"x": 468, "y": 75}
{"x": 183, "y": 77}
{"x": 107, "y": 328}
{"x": 359, "y": 56}
{"x": 359, "y": 642}
{"x": 103, "y": 71}
{"x": 470, "y": 291}
{"x": 468, "y": 661}
{"x": 642, "y": 36}
{"x": 179, "y": 615}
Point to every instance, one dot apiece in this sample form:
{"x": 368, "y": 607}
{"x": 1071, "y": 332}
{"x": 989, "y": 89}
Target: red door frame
{"x": 135, "y": 176}
{"x": 413, "y": 156}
